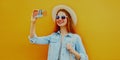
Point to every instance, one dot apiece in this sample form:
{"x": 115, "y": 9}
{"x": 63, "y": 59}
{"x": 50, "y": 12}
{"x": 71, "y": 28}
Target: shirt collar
{"x": 68, "y": 35}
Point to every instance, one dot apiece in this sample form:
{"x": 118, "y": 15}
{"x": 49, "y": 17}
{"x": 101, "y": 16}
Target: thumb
{"x": 68, "y": 46}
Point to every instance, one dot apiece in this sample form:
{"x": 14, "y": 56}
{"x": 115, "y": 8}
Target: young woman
{"x": 64, "y": 44}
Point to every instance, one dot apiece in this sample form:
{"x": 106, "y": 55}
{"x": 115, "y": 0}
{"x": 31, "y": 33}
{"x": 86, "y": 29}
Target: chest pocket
{"x": 54, "y": 40}
{"x": 54, "y": 43}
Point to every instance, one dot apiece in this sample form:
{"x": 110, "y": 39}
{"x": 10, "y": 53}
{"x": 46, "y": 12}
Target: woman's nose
{"x": 60, "y": 18}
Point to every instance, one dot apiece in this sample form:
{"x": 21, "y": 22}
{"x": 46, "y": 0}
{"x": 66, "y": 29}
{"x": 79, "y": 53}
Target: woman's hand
{"x": 70, "y": 49}
{"x": 36, "y": 14}
{"x": 33, "y": 17}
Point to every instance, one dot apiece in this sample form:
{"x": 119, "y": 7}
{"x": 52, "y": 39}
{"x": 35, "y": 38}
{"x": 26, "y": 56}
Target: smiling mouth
{"x": 60, "y": 21}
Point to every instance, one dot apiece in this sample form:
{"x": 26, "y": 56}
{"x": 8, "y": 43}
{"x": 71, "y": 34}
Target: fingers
{"x": 69, "y": 47}
{"x": 33, "y": 16}
{"x": 38, "y": 13}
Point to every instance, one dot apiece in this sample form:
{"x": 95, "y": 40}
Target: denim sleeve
{"x": 40, "y": 40}
{"x": 80, "y": 48}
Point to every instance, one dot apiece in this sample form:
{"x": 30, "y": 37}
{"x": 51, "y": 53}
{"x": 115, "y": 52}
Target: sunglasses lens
{"x": 57, "y": 17}
{"x": 63, "y": 17}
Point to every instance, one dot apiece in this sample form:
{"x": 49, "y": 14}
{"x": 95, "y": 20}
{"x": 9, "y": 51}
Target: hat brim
{"x": 71, "y": 12}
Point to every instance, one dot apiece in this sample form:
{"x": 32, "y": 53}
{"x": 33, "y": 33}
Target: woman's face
{"x": 61, "y": 19}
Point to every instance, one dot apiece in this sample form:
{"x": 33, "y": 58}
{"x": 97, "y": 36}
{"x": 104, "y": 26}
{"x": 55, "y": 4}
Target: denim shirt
{"x": 56, "y": 50}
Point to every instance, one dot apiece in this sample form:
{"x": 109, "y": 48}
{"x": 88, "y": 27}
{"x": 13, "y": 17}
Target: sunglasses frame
{"x": 62, "y": 17}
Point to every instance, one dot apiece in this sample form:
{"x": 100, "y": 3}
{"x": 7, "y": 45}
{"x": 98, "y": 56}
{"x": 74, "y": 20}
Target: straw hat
{"x": 70, "y": 11}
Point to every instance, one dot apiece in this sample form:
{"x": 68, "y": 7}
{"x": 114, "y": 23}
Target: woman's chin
{"x": 61, "y": 25}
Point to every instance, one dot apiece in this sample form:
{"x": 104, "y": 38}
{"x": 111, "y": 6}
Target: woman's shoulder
{"x": 75, "y": 35}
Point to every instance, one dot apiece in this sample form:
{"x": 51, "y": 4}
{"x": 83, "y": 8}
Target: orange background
{"x": 98, "y": 25}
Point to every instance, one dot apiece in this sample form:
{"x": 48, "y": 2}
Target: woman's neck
{"x": 63, "y": 30}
